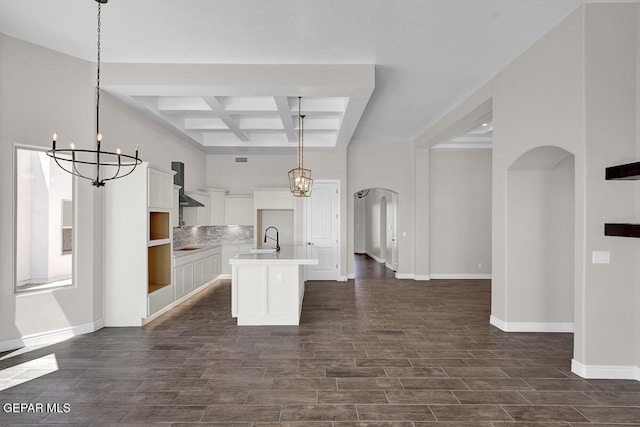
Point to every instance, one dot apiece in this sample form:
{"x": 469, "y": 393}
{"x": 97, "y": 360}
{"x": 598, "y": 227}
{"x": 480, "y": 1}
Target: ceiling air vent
{"x": 241, "y": 160}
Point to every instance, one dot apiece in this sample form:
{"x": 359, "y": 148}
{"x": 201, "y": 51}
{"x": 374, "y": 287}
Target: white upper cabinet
{"x": 238, "y": 210}
{"x": 217, "y": 198}
{"x": 273, "y": 199}
{"x": 160, "y": 188}
{"x": 199, "y": 215}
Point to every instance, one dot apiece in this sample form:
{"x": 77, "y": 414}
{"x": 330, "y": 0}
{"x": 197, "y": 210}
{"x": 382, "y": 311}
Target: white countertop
{"x": 287, "y": 255}
{"x": 194, "y": 249}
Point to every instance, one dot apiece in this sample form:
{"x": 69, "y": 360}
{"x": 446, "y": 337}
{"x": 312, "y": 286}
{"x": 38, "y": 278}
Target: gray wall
{"x": 575, "y": 89}
{"x": 460, "y": 213}
{"x": 389, "y": 165}
{"x": 44, "y": 92}
{"x": 540, "y": 236}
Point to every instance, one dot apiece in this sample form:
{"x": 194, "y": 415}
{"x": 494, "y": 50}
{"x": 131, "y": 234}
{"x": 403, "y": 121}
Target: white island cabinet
{"x": 268, "y": 288}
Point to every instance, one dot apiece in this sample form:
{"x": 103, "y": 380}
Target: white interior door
{"x": 322, "y": 230}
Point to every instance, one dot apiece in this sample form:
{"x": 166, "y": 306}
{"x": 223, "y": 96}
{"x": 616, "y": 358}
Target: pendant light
{"x": 300, "y": 181}
{"x": 80, "y": 162}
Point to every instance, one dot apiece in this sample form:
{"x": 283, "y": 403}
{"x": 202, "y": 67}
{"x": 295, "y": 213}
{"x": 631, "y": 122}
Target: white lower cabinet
{"x": 160, "y": 298}
{"x": 194, "y": 270}
{"x": 183, "y": 275}
{"x": 216, "y": 262}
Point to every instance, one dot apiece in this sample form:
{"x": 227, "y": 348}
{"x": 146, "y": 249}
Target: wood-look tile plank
{"x": 319, "y": 413}
{"x": 545, "y": 413}
{"x": 395, "y": 413}
{"x": 371, "y": 352}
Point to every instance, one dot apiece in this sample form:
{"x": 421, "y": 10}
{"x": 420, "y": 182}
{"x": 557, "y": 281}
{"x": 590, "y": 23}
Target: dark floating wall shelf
{"x": 622, "y": 230}
{"x": 630, "y": 171}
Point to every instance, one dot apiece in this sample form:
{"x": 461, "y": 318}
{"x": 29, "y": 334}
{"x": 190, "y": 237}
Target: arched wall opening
{"x": 540, "y": 241}
{"x": 375, "y": 213}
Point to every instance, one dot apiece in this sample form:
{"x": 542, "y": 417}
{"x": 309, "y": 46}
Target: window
{"x": 44, "y": 222}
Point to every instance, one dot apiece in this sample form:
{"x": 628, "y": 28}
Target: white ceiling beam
{"x": 285, "y": 115}
{"x": 219, "y": 110}
{"x": 151, "y": 104}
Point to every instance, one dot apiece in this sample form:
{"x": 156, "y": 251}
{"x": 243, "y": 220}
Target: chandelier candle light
{"x": 74, "y": 158}
{"x": 300, "y": 181}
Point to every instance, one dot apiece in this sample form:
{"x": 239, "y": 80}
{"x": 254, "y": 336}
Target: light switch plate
{"x": 600, "y": 257}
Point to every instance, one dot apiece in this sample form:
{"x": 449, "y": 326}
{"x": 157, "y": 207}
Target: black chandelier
{"x": 113, "y": 165}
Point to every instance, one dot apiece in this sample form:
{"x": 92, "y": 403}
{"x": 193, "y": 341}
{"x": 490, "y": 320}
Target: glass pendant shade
{"x": 300, "y": 182}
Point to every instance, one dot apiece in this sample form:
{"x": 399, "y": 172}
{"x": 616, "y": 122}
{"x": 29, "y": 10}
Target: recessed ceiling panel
{"x": 237, "y": 115}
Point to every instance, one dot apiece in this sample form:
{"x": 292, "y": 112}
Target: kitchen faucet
{"x": 277, "y": 239}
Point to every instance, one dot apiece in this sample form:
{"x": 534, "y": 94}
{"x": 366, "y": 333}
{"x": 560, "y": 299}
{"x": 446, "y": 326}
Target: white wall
{"x": 372, "y": 224}
{"x": 360, "y": 234}
{"x": 60, "y": 188}
{"x": 378, "y": 221}
{"x": 23, "y": 220}
{"x": 460, "y": 213}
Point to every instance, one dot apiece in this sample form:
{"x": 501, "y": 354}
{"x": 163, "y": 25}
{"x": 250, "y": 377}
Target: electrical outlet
{"x": 600, "y": 257}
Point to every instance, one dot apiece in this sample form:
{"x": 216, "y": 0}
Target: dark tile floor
{"x": 374, "y": 351}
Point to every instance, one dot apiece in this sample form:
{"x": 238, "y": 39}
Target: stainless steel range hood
{"x": 184, "y": 201}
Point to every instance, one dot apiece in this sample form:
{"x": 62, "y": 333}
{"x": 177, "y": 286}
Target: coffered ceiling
{"x": 428, "y": 55}
{"x": 241, "y": 121}
{"x": 253, "y": 121}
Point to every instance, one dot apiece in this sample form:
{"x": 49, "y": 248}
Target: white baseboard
{"x": 410, "y": 276}
{"x": 351, "y": 276}
{"x": 459, "y": 276}
{"x": 376, "y": 258}
{"x": 421, "y": 277}
{"x": 181, "y": 300}
{"x": 342, "y": 278}
{"x": 224, "y": 277}
{"x": 51, "y": 337}
{"x": 612, "y": 372}
{"x": 530, "y": 326}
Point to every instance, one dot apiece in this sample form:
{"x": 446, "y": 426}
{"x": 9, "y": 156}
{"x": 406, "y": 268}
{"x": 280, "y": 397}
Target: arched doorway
{"x": 540, "y": 241}
{"x": 375, "y": 213}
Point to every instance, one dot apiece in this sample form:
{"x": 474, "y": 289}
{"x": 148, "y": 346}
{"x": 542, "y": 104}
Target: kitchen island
{"x": 268, "y": 288}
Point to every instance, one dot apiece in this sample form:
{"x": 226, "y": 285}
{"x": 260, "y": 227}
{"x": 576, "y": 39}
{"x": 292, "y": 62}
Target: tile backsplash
{"x": 211, "y": 234}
